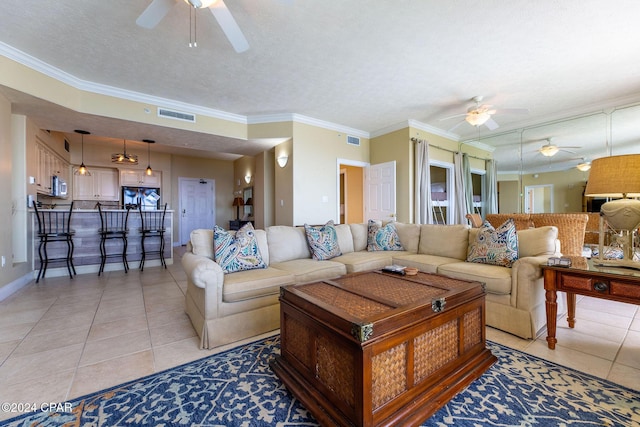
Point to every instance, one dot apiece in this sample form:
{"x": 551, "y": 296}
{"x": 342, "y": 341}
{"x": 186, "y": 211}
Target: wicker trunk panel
{"x": 389, "y": 288}
{"x": 298, "y": 340}
{"x": 356, "y": 305}
{"x": 434, "y": 349}
{"x": 388, "y": 374}
{"x": 472, "y": 321}
{"x": 334, "y": 369}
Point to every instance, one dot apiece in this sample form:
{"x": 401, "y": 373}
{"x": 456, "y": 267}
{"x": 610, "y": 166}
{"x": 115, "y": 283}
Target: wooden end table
{"x": 586, "y": 278}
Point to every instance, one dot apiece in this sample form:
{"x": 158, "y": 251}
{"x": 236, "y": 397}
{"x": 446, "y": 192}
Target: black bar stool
{"x": 113, "y": 225}
{"x": 54, "y": 226}
{"x": 152, "y": 225}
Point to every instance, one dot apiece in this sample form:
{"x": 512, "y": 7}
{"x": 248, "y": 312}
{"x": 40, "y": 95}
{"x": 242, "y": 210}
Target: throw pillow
{"x": 383, "y": 238}
{"x": 497, "y": 246}
{"x": 239, "y": 252}
{"x": 323, "y": 241}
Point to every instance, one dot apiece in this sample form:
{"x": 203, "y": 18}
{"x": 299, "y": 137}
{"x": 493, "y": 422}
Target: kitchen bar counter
{"x": 86, "y": 255}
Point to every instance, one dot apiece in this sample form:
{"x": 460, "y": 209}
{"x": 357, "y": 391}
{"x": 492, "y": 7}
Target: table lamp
{"x": 617, "y": 177}
{"x": 237, "y": 202}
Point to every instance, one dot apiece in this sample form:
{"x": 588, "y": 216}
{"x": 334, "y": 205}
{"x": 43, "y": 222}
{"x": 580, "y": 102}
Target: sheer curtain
{"x": 423, "y": 212}
{"x": 462, "y": 182}
{"x": 491, "y": 201}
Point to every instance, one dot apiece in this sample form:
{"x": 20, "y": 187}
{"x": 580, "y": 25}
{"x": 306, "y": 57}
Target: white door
{"x": 197, "y": 205}
{"x": 380, "y": 191}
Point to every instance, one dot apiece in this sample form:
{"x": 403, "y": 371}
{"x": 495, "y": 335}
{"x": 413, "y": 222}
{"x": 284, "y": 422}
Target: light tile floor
{"x": 62, "y": 338}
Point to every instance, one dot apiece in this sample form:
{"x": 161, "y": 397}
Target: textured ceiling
{"x": 369, "y": 66}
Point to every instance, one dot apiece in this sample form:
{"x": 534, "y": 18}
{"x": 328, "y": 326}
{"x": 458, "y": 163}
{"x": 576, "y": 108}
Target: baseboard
{"x": 11, "y": 288}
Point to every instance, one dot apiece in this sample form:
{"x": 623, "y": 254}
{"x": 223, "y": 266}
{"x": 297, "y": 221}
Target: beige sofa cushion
{"x": 537, "y": 241}
{"x": 364, "y": 260}
{"x": 409, "y": 235}
{"x": 287, "y": 243}
{"x": 426, "y": 263}
{"x": 202, "y": 242}
{"x": 308, "y": 270}
{"x": 245, "y": 285}
{"x": 359, "y": 233}
{"x": 449, "y": 241}
{"x": 345, "y": 238}
{"x": 496, "y": 278}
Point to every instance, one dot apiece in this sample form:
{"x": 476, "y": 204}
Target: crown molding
{"x": 417, "y": 125}
{"x": 299, "y": 118}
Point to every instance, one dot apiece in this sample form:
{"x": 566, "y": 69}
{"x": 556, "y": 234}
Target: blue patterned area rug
{"x": 237, "y": 388}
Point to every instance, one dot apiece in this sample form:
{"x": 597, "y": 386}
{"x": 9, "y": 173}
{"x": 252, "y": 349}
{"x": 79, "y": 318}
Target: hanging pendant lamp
{"x": 82, "y": 170}
{"x": 149, "y": 171}
{"x": 124, "y": 157}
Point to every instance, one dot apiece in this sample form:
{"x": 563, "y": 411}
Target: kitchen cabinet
{"x": 48, "y": 164}
{"x": 101, "y": 185}
{"x": 138, "y": 178}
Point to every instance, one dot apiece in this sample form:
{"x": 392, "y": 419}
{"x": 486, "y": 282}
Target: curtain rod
{"x": 416, "y": 140}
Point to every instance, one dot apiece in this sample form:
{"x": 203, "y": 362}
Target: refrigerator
{"x": 149, "y": 198}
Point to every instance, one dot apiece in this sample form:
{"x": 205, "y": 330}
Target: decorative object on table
{"x": 237, "y": 202}
{"x": 124, "y": 157}
{"x": 410, "y": 271}
{"x": 617, "y": 177}
{"x": 559, "y": 261}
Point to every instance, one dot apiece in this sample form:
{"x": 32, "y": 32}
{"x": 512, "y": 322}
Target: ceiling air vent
{"x": 178, "y": 115}
{"x": 353, "y": 140}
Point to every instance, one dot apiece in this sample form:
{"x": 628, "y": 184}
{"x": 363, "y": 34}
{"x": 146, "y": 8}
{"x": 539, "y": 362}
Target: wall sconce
{"x": 247, "y": 178}
{"x": 282, "y": 160}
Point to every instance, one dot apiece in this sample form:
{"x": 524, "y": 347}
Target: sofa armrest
{"x": 202, "y": 271}
{"x": 527, "y": 287}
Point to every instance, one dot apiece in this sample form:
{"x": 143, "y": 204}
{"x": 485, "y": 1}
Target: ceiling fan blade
{"x": 491, "y": 124}
{"x": 456, "y": 126}
{"x": 452, "y": 117}
{"x": 569, "y": 146}
{"x": 229, "y": 26}
{"x": 154, "y": 13}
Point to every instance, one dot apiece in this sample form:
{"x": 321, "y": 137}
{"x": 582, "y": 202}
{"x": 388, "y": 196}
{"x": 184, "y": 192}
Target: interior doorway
{"x": 197, "y": 206}
{"x": 538, "y": 198}
{"x": 350, "y": 207}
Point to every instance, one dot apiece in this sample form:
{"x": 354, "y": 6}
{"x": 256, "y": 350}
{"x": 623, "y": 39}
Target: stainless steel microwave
{"x": 58, "y": 187}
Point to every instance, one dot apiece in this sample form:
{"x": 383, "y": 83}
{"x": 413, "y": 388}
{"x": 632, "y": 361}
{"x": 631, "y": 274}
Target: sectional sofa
{"x": 224, "y": 308}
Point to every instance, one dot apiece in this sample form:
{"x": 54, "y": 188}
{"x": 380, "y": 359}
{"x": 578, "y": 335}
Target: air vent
{"x": 178, "y": 115}
{"x": 353, "y": 140}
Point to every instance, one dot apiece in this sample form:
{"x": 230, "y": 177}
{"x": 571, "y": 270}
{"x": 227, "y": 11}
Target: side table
{"x": 586, "y": 278}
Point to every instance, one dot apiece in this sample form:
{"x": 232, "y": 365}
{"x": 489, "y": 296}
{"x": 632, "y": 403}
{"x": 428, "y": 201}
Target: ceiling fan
{"x": 158, "y": 9}
{"x": 480, "y": 114}
{"x": 550, "y": 150}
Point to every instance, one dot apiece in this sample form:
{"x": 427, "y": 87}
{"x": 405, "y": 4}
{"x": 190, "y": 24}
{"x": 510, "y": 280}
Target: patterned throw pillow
{"x": 323, "y": 241}
{"x": 498, "y": 246}
{"x": 381, "y": 238}
{"x": 239, "y": 252}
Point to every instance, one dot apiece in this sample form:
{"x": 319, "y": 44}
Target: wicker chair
{"x": 592, "y": 232}
{"x": 475, "y": 220}
{"x": 571, "y": 230}
{"x": 522, "y": 220}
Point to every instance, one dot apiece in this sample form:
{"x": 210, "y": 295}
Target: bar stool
{"x": 152, "y": 225}
{"x": 113, "y": 225}
{"x": 54, "y": 226}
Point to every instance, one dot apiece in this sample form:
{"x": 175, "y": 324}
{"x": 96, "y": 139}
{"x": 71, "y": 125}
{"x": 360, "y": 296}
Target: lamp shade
{"x": 238, "y": 201}
{"x": 614, "y": 176}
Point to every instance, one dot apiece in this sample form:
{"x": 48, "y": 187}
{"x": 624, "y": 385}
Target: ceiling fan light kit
{"x": 549, "y": 150}
{"x": 585, "y": 166}
{"x": 124, "y": 157}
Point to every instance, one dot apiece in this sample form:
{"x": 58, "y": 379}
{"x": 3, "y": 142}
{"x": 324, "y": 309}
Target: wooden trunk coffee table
{"x": 375, "y": 348}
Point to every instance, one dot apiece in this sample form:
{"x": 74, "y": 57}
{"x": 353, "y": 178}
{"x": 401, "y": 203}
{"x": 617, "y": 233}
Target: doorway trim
{"x": 527, "y": 188}
{"x": 346, "y": 162}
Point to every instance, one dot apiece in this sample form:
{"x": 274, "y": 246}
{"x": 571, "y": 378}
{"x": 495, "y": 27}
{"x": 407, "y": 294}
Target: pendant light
{"x": 124, "y": 157}
{"x": 82, "y": 170}
{"x": 149, "y": 171}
